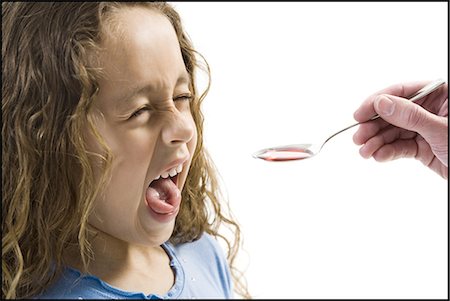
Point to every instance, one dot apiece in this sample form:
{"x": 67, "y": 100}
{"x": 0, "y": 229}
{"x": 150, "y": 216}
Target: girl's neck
{"x": 129, "y": 267}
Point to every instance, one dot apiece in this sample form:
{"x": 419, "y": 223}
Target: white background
{"x": 337, "y": 225}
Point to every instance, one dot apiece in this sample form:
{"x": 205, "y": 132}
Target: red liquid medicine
{"x": 284, "y": 154}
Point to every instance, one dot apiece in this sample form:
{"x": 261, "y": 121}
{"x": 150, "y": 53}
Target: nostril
{"x": 178, "y": 130}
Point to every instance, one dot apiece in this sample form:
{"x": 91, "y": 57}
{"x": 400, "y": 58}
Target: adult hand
{"x": 405, "y": 129}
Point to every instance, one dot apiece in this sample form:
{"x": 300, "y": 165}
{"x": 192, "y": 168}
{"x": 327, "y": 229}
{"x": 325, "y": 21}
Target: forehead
{"x": 140, "y": 45}
{"x": 144, "y": 22}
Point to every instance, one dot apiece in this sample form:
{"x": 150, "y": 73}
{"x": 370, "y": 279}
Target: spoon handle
{"x": 426, "y": 90}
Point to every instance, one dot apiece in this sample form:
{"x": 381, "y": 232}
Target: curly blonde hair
{"x": 48, "y": 180}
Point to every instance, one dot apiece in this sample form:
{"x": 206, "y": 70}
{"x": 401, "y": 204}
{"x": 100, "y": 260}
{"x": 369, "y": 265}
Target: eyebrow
{"x": 129, "y": 94}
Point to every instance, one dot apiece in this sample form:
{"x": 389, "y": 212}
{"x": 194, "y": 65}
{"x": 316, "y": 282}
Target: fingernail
{"x": 385, "y": 106}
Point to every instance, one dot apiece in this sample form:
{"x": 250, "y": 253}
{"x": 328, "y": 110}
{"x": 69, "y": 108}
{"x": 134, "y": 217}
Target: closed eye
{"x": 139, "y": 112}
{"x": 183, "y": 97}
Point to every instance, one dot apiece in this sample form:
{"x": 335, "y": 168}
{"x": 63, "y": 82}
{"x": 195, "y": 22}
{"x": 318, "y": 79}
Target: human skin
{"x": 148, "y": 133}
{"x": 405, "y": 129}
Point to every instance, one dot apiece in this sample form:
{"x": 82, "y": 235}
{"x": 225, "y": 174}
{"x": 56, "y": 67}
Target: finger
{"x": 412, "y": 148}
{"x": 405, "y": 114}
{"x": 396, "y": 150}
{"x": 368, "y": 130}
{"x": 385, "y": 137}
{"x": 366, "y": 110}
{"x": 443, "y": 110}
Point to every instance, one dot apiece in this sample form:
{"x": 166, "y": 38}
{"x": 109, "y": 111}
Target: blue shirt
{"x": 200, "y": 268}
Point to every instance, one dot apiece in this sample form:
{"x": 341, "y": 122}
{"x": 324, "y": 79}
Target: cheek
{"x": 132, "y": 153}
{"x": 122, "y": 195}
{"x": 136, "y": 145}
{"x": 131, "y": 150}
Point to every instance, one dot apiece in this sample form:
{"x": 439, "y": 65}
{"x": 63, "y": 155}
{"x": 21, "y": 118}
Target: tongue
{"x": 163, "y": 196}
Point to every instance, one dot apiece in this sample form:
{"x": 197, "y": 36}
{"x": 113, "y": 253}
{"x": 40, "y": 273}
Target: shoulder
{"x": 206, "y": 250}
{"x": 207, "y": 245}
{"x": 72, "y": 285}
{"x": 65, "y": 287}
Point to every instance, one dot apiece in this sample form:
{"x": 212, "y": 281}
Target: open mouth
{"x": 165, "y": 187}
{"x": 163, "y": 196}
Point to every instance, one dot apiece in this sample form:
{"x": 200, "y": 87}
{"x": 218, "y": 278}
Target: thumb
{"x": 406, "y": 114}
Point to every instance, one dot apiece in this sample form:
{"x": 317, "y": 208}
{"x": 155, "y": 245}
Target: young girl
{"x": 107, "y": 189}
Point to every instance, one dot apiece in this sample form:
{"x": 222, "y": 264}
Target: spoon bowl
{"x": 305, "y": 151}
{"x": 287, "y": 152}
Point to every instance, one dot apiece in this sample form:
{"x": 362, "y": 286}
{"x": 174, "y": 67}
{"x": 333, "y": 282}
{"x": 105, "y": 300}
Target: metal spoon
{"x": 305, "y": 151}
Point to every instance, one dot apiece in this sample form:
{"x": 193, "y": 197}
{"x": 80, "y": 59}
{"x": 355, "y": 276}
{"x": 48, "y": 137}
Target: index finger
{"x": 367, "y": 111}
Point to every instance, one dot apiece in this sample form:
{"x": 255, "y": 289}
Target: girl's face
{"x": 142, "y": 111}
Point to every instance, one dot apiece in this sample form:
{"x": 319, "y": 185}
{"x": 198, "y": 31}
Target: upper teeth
{"x": 172, "y": 172}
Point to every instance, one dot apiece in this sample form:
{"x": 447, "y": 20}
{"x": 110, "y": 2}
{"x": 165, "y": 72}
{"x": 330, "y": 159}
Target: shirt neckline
{"x": 174, "y": 291}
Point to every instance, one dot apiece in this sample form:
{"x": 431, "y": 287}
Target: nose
{"x": 179, "y": 128}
